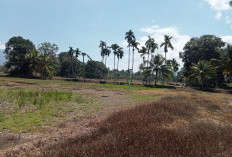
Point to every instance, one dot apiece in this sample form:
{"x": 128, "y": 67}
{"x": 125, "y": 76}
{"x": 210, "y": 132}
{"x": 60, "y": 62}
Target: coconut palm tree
{"x": 83, "y": 68}
{"x": 71, "y": 52}
{"x": 150, "y": 46}
{"x": 107, "y": 52}
{"x": 143, "y": 52}
{"x": 46, "y": 64}
{"x": 102, "y": 46}
{"x": 77, "y": 53}
{"x": 167, "y": 44}
{"x": 129, "y": 36}
{"x": 157, "y": 65}
{"x": 202, "y": 72}
{"x": 120, "y": 54}
{"x": 134, "y": 45}
{"x": 115, "y": 51}
{"x": 175, "y": 66}
{"x": 33, "y": 58}
{"x": 224, "y": 65}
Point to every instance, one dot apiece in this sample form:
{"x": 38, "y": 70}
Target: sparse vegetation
{"x": 27, "y": 109}
{"x": 137, "y": 99}
{"x": 172, "y": 126}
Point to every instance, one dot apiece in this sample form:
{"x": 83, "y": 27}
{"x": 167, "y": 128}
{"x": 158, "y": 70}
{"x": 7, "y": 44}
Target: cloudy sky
{"x": 83, "y": 23}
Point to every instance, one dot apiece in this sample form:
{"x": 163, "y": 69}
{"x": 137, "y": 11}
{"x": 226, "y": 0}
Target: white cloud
{"x": 227, "y": 39}
{"x": 218, "y": 16}
{"x": 219, "y": 4}
{"x": 156, "y": 32}
{"x": 178, "y": 40}
{"x": 2, "y": 46}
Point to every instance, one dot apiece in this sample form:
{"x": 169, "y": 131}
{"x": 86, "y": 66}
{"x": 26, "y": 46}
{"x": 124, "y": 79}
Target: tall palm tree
{"x": 167, "y": 44}
{"x": 77, "y": 53}
{"x": 157, "y": 65}
{"x": 129, "y": 36}
{"x": 120, "y": 54}
{"x": 83, "y": 68}
{"x": 102, "y": 46}
{"x": 115, "y": 51}
{"x": 143, "y": 52}
{"x": 107, "y": 52}
{"x": 202, "y": 72}
{"x": 134, "y": 45}
{"x": 150, "y": 46}
{"x": 71, "y": 52}
{"x": 175, "y": 65}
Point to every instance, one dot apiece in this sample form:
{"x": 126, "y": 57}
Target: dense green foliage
{"x": 95, "y": 69}
{"x": 17, "y": 48}
{"x": 66, "y": 63}
{"x": 201, "y": 55}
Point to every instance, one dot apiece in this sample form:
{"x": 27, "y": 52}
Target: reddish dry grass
{"x": 169, "y": 127}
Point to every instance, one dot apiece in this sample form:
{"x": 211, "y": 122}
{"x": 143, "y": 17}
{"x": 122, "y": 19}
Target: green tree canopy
{"x": 16, "y": 50}
{"x": 65, "y": 65}
{"x": 48, "y": 48}
{"x": 206, "y": 48}
{"x": 94, "y": 69}
{"x": 201, "y": 73}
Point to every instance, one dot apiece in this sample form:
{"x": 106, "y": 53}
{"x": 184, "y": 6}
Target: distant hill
{"x": 2, "y": 57}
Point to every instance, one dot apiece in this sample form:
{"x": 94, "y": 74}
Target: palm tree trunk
{"x": 148, "y": 57}
{"x": 165, "y": 59}
{"x": 114, "y": 68}
{"x": 83, "y": 68}
{"x": 72, "y": 66}
{"x": 107, "y": 69}
{"x": 101, "y": 69}
{"x": 132, "y": 66}
{"x": 128, "y": 66}
{"x": 117, "y": 68}
{"x": 156, "y": 76}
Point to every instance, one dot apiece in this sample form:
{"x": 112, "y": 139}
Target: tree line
{"x": 207, "y": 61}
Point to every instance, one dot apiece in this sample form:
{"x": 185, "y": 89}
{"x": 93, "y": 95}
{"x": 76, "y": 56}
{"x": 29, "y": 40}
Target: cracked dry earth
{"x": 31, "y": 144}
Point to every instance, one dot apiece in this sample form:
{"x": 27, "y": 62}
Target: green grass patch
{"x": 121, "y": 87}
{"x": 28, "y": 109}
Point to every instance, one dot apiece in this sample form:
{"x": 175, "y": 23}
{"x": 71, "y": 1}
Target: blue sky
{"x": 83, "y": 23}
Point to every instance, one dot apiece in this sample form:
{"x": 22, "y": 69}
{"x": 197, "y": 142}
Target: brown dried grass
{"x": 173, "y": 126}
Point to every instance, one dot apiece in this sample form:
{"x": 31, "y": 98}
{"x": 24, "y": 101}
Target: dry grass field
{"x": 62, "y": 118}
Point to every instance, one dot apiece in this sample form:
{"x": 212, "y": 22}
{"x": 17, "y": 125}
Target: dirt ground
{"x": 24, "y": 143}
{"x": 31, "y": 143}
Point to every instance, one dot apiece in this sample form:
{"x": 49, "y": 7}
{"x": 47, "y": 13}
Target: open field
{"x": 63, "y": 118}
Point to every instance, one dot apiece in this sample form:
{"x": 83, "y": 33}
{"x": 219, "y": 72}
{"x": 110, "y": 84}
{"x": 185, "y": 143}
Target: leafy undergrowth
{"x": 173, "y": 126}
{"x": 25, "y": 109}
